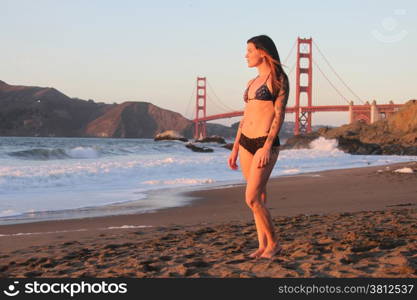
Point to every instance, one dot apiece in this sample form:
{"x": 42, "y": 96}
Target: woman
{"x": 257, "y": 141}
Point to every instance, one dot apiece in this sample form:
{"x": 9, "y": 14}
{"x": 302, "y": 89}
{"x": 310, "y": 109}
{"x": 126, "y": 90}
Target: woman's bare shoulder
{"x": 250, "y": 81}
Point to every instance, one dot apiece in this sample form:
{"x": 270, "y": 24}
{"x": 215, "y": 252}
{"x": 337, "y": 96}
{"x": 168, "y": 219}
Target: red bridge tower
{"x": 200, "y": 126}
{"x": 304, "y": 65}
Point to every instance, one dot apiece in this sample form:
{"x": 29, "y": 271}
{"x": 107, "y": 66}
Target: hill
{"x": 46, "y": 112}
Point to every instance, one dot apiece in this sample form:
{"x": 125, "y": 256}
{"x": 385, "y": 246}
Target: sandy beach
{"x": 358, "y": 222}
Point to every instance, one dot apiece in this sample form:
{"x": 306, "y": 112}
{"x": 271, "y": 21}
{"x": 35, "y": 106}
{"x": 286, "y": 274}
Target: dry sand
{"x": 341, "y": 223}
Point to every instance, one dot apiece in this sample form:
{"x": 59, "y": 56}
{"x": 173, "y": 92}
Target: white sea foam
{"x": 176, "y": 181}
{"x": 404, "y": 170}
{"x": 82, "y": 152}
{"x": 128, "y": 226}
{"x": 8, "y": 213}
{"x": 291, "y": 171}
{"x": 323, "y": 144}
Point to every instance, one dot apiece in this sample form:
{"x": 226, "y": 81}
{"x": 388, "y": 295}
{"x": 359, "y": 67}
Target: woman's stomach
{"x": 258, "y": 119}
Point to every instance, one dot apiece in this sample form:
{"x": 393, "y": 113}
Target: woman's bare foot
{"x": 257, "y": 253}
{"x": 271, "y": 251}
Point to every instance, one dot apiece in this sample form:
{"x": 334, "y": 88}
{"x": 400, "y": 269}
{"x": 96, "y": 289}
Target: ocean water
{"x": 58, "y": 178}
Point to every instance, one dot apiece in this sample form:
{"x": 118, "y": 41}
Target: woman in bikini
{"x": 257, "y": 142}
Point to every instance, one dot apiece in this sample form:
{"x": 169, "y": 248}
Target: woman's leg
{"x": 245, "y": 158}
{"x": 256, "y": 186}
{"x": 262, "y": 234}
{"x": 263, "y": 195}
{"x": 275, "y": 150}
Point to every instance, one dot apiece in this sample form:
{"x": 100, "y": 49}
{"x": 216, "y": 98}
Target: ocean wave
{"x": 59, "y": 153}
{"x": 176, "y": 181}
{"x": 291, "y": 171}
{"x": 326, "y": 145}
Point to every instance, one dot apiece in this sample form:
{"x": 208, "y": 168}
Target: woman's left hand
{"x": 264, "y": 157}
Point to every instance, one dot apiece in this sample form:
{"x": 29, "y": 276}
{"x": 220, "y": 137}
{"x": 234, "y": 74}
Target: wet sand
{"x": 357, "y": 222}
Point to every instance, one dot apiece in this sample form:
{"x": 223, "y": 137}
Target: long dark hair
{"x": 279, "y": 77}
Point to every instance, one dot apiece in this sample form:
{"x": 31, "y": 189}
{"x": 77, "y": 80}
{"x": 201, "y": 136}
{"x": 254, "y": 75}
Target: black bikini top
{"x": 262, "y": 93}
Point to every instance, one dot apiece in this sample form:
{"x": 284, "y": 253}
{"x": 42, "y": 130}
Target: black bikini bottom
{"x": 252, "y": 145}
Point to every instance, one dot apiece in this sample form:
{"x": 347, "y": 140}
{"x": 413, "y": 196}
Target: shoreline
{"x": 180, "y": 197}
{"x": 335, "y": 223}
{"x": 209, "y": 206}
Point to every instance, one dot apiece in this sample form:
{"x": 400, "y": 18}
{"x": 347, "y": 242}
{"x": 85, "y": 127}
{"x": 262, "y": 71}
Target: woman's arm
{"x": 236, "y": 144}
{"x": 239, "y": 131}
{"x": 279, "y": 107}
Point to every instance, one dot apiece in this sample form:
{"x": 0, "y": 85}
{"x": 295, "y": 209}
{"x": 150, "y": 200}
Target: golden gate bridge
{"x": 303, "y": 112}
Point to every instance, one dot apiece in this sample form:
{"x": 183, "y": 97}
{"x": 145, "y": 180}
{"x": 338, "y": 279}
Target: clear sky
{"x": 116, "y": 51}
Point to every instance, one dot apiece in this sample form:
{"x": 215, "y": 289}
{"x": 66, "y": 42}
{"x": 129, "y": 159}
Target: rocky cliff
{"x": 394, "y": 135}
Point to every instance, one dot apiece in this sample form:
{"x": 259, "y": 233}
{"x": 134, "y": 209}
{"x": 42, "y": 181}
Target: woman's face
{"x": 253, "y": 56}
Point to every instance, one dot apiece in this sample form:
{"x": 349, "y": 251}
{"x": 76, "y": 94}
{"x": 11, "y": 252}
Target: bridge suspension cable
{"x": 292, "y": 69}
{"x": 289, "y": 54}
{"x": 188, "y": 106}
{"x": 225, "y": 107}
{"x": 328, "y": 80}
{"x": 286, "y": 60}
{"x": 216, "y": 106}
{"x": 337, "y": 75}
